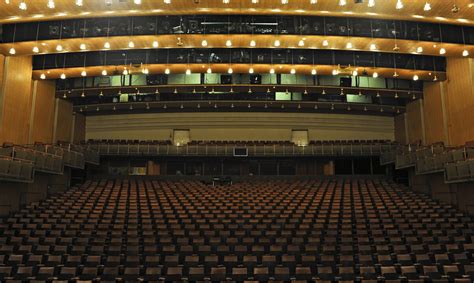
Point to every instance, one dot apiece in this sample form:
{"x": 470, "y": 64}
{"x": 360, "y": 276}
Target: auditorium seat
{"x": 326, "y": 230}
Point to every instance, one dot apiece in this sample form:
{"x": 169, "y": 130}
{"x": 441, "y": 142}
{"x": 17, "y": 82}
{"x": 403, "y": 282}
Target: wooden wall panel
{"x": 79, "y": 128}
{"x": 400, "y": 129}
{"x": 2, "y": 69}
{"x": 434, "y": 113}
{"x": 460, "y": 100}
{"x": 63, "y": 121}
{"x": 42, "y": 123}
{"x": 414, "y": 121}
{"x": 15, "y": 100}
{"x": 240, "y": 126}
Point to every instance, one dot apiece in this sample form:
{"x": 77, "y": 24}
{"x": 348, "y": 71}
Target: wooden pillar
{"x": 63, "y": 121}
{"x": 78, "y": 128}
{"x": 459, "y": 100}
{"x": 435, "y": 113}
{"x": 401, "y": 128}
{"x": 415, "y": 122}
{"x": 15, "y": 98}
{"x": 42, "y": 112}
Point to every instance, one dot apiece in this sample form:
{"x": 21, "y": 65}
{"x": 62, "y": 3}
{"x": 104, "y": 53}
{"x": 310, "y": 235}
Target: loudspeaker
{"x": 157, "y": 79}
{"x": 345, "y": 82}
{"x": 226, "y": 79}
{"x": 53, "y": 30}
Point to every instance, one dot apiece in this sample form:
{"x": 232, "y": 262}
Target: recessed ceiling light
{"x": 427, "y": 6}
{"x": 399, "y": 5}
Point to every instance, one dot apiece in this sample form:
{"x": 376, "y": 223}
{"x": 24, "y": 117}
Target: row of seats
{"x": 132, "y": 230}
{"x": 126, "y": 142}
{"x": 239, "y": 273}
{"x": 354, "y": 142}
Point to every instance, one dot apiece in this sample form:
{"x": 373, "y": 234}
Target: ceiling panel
{"x": 441, "y": 10}
{"x": 238, "y": 41}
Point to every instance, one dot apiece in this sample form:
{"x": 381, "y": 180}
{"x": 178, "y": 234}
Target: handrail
{"x": 227, "y": 150}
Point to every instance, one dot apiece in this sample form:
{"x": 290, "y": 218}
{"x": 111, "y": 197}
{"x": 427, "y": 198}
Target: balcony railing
{"x": 16, "y": 170}
{"x": 90, "y": 156}
{"x": 253, "y": 150}
{"x": 457, "y": 164}
{"x": 45, "y": 162}
{"x": 71, "y": 158}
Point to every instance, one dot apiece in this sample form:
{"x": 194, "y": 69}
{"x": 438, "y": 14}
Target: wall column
{"x": 401, "y": 128}
{"x": 63, "y": 121}
{"x": 15, "y": 99}
{"x": 459, "y": 100}
{"x": 42, "y": 111}
{"x": 414, "y": 121}
{"x": 436, "y": 126}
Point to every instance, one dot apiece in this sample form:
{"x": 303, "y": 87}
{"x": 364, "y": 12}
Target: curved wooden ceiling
{"x": 413, "y": 10}
{"x": 238, "y": 41}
